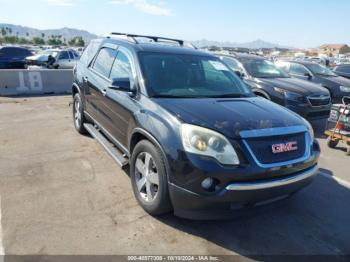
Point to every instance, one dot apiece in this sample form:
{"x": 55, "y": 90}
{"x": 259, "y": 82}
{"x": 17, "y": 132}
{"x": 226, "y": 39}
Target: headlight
{"x": 205, "y": 142}
{"x": 311, "y": 130}
{"x": 345, "y": 89}
{"x": 289, "y": 95}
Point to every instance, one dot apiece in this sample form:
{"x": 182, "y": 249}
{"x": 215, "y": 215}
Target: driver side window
{"x": 121, "y": 67}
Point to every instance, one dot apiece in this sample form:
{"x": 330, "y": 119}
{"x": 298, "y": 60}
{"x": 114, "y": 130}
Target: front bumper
{"x": 310, "y": 112}
{"x": 237, "y": 195}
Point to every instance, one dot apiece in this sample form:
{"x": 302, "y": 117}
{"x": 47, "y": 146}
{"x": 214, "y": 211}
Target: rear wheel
{"x": 78, "y": 114}
{"x": 149, "y": 179}
{"x": 348, "y": 150}
{"x": 332, "y": 143}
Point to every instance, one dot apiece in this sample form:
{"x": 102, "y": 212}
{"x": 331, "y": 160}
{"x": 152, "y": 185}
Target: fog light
{"x": 207, "y": 183}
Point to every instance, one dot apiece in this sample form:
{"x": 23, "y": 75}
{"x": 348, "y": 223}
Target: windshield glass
{"x": 260, "y": 68}
{"x": 188, "y": 76}
{"x": 320, "y": 70}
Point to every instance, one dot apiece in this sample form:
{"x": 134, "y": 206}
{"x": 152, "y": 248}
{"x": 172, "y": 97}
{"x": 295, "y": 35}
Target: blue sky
{"x": 298, "y": 23}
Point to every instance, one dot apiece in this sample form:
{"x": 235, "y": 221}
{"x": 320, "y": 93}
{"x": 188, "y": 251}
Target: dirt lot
{"x": 62, "y": 194}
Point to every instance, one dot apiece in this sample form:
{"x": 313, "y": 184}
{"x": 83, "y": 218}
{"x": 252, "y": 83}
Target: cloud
{"x": 61, "y": 2}
{"x": 146, "y": 7}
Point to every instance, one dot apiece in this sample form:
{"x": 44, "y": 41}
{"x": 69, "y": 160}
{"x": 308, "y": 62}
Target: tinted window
{"x": 232, "y": 63}
{"x": 178, "y": 75}
{"x": 343, "y": 68}
{"x": 283, "y": 65}
{"x": 297, "y": 69}
{"x": 320, "y": 70}
{"x": 121, "y": 67}
{"x": 263, "y": 69}
{"x": 64, "y": 55}
{"x": 104, "y": 61}
{"x": 90, "y": 52}
{"x": 71, "y": 56}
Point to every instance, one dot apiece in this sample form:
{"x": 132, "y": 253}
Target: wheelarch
{"x": 75, "y": 90}
{"x": 139, "y": 134}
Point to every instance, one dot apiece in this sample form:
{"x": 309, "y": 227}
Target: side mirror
{"x": 121, "y": 84}
{"x": 308, "y": 75}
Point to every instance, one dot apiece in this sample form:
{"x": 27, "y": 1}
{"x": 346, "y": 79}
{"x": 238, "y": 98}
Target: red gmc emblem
{"x": 284, "y": 147}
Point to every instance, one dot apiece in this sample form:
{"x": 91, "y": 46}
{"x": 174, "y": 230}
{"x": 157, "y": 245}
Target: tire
{"x": 348, "y": 150}
{"x": 78, "y": 114}
{"x": 332, "y": 143}
{"x": 147, "y": 169}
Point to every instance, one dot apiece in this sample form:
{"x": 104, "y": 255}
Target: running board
{"x": 108, "y": 146}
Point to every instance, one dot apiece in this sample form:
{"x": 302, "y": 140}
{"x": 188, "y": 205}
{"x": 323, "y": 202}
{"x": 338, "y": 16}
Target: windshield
{"x": 320, "y": 70}
{"x": 189, "y": 76}
{"x": 260, "y": 68}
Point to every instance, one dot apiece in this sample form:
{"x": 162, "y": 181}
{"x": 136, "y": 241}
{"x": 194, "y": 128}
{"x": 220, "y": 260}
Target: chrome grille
{"x": 319, "y": 100}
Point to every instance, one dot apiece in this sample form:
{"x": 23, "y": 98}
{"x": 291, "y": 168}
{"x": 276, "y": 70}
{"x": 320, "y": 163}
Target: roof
{"x": 334, "y": 46}
{"x": 302, "y": 62}
{"x": 156, "y": 47}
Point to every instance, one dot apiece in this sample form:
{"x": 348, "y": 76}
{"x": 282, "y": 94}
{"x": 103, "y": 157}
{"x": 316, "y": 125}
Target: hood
{"x": 38, "y": 57}
{"x": 335, "y": 80}
{"x": 295, "y": 85}
{"x": 231, "y": 116}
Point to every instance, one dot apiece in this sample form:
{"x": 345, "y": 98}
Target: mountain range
{"x": 256, "y": 44}
{"x": 69, "y": 33}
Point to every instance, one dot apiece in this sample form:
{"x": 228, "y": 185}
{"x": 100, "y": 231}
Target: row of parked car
{"x": 12, "y": 57}
{"x": 305, "y": 87}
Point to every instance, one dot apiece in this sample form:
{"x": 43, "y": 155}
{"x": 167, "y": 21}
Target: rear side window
{"x": 297, "y": 69}
{"x": 90, "y": 51}
{"x": 104, "y": 61}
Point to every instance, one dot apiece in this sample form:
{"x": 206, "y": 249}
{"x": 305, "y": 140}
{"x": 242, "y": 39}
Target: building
{"x": 334, "y": 49}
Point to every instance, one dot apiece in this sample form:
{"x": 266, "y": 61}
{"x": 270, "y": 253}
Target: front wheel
{"x": 148, "y": 178}
{"x": 332, "y": 143}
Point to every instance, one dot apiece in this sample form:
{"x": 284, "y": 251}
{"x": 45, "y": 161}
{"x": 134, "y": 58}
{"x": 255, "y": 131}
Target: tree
{"x": 3, "y": 31}
{"x": 43, "y": 35}
{"x": 77, "y": 41}
{"x": 38, "y": 41}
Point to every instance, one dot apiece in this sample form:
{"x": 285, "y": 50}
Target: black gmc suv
{"x": 266, "y": 80}
{"x": 195, "y": 138}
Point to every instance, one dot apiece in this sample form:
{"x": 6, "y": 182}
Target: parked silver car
{"x": 55, "y": 58}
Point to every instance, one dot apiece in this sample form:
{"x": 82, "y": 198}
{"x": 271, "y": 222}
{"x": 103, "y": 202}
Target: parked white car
{"x": 55, "y": 58}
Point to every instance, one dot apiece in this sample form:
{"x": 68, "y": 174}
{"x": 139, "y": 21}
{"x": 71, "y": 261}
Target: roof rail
{"x": 154, "y": 38}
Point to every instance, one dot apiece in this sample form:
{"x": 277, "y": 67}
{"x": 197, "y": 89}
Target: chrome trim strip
{"x": 273, "y": 131}
{"x": 273, "y": 183}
